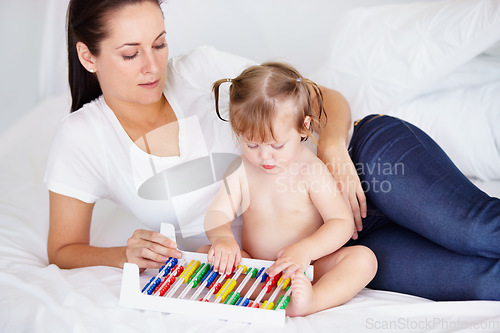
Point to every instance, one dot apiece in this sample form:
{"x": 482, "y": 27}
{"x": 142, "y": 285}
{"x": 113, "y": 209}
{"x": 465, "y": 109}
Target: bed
{"x": 434, "y": 63}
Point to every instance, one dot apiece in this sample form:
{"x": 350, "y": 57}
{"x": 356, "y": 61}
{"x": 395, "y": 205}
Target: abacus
{"x": 189, "y": 286}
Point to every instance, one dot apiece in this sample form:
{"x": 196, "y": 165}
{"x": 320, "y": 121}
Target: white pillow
{"x": 465, "y": 122}
{"x": 384, "y": 56}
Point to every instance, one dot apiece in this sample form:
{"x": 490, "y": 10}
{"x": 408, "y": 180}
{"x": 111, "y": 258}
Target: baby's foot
{"x": 302, "y": 299}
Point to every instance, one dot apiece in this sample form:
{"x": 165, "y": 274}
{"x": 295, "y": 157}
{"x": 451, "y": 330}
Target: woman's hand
{"x": 224, "y": 254}
{"x": 149, "y": 249}
{"x": 291, "y": 259}
{"x": 344, "y": 172}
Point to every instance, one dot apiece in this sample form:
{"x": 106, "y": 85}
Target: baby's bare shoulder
{"x": 313, "y": 166}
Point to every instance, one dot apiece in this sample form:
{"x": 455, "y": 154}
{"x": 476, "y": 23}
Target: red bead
{"x": 164, "y": 290}
{"x": 179, "y": 271}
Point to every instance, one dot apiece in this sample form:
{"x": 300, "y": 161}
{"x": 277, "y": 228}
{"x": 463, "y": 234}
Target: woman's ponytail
{"x": 83, "y": 85}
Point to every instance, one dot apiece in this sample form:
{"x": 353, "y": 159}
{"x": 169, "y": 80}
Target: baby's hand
{"x": 291, "y": 259}
{"x": 224, "y": 254}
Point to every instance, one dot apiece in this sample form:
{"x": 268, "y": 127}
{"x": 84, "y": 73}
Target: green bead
{"x": 228, "y": 298}
{"x": 234, "y": 298}
{"x": 278, "y": 303}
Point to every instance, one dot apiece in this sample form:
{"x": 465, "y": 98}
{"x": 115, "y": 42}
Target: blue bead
{"x": 208, "y": 273}
{"x": 151, "y": 289}
{"x": 211, "y": 278}
{"x": 245, "y": 302}
{"x": 148, "y": 284}
{"x": 239, "y": 301}
{"x": 167, "y": 271}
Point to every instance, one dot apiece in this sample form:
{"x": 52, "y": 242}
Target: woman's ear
{"x": 87, "y": 59}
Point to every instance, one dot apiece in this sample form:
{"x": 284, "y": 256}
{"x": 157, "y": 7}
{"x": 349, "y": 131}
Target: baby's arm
{"x": 336, "y": 230}
{"x": 224, "y": 252}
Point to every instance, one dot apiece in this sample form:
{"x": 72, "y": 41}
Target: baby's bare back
{"x": 277, "y": 211}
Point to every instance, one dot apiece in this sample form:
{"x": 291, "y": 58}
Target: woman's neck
{"x": 138, "y": 120}
{"x": 137, "y": 114}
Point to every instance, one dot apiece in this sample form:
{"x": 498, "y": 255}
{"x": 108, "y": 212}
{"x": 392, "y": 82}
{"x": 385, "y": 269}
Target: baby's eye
{"x": 278, "y": 146}
{"x": 252, "y": 146}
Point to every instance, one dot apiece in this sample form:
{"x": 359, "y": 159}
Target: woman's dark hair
{"x": 86, "y": 23}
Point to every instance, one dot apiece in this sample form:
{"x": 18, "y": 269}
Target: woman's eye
{"x": 129, "y": 57}
{"x": 278, "y": 147}
{"x": 159, "y": 47}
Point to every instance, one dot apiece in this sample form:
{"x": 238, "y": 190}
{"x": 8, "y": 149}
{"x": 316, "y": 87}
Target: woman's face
{"x": 131, "y": 66}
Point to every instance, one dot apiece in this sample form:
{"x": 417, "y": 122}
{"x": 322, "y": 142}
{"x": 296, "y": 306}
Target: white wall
{"x": 264, "y": 30}
{"x": 21, "y": 25}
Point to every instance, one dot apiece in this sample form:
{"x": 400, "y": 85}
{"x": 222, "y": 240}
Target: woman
{"x": 110, "y": 146}
{"x": 138, "y": 117}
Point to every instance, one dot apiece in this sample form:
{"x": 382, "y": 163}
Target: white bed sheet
{"x": 36, "y": 297}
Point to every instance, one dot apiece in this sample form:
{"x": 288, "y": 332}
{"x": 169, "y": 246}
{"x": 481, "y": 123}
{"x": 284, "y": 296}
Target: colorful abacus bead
{"x": 211, "y": 279}
{"x": 233, "y": 298}
{"x": 228, "y": 290}
{"x": 269, "y": 285}
{"x": 167, "y": 285}
{"x": 254, "y": 305}
{"x": 161, "y": 273}
{"x": 285, "y": 303}
{"x": 285, "y": 284}
{"x": 268, "y": 305}
{"x": 208, "y": 274}
{"x": 148, "y": 284}
{"x": 191, "y": 271}
{"x": 204, "y": 271}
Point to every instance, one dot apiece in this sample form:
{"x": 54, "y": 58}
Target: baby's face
{"x": 279, "y": 154}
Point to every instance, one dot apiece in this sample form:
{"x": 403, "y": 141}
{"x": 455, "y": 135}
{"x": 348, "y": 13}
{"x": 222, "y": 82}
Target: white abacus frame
{"x": 132, "y": 297}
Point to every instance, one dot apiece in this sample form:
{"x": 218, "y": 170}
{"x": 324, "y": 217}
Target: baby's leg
{"x": 338, "y": 277}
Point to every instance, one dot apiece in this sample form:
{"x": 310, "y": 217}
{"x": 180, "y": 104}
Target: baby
{"x": 292, "y": 210}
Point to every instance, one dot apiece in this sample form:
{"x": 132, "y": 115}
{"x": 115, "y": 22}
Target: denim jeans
{"x": 435, "y": 234}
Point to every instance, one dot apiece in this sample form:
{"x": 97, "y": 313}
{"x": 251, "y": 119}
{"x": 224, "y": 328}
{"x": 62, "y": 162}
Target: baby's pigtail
{"x": 215, "y": 89}
{"x": 319, "y": 105}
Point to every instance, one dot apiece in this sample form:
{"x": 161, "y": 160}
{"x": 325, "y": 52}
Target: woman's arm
{"x": 332, "y": 150}
{"x": 69, "y": 238}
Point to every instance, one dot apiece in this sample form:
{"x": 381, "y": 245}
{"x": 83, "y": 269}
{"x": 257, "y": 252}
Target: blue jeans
{"x": 435, "y": 234}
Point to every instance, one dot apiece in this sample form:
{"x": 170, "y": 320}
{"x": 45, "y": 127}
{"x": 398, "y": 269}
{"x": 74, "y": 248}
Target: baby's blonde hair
{"x": 254, "y": 93}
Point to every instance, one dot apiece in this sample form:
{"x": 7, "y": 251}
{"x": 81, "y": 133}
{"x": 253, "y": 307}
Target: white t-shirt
{"x": 93, "y": 158}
